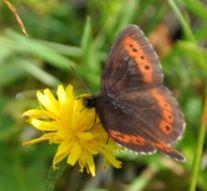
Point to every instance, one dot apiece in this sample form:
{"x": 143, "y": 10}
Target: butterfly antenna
{"x": 107, "y": 140}
{"x": 80, "y": 79}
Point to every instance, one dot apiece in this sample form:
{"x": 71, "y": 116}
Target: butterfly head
{"x": 90, "y": 102}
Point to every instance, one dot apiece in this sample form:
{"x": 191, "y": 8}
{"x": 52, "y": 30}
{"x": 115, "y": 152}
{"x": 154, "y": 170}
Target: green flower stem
{"x": 54, "y": 175}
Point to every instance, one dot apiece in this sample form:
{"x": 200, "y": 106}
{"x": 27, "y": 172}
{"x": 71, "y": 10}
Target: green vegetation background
{"x": 79, "y": 33}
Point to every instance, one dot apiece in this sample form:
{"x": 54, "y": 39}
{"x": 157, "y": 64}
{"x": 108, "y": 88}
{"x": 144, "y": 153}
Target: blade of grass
{"x": 64, "y": 49}
{"x": 186, "y": 28}
{"x": 201, "y": 33}
{"x": 202, "y": 130}
{"x": 14, "y": 72}
{"x": 197, "y": 7}
{"x": 183, "y": 21}
{"x": 90, "y": 54}
{"x": 194, "y": 50}
{"x": 32, "y": 46}
{"x": 189, "y": 46}
{"x": 111, "y": 12}
{"x": 37, "y": 72}
{"x": 199, "y": 149}
{"x": 70, "y": 50}
{"x": 86, "y": 37}
{"x": 140, "y": 183}
{"x": 128, "y": 12}
{"x": 88, "y": 46}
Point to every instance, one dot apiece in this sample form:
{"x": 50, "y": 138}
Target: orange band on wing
{"x": 166, "y": 122}
{"x": 135, "y": 51}
{"x": 126, "y": 138}
{"x": 163, "y": 147}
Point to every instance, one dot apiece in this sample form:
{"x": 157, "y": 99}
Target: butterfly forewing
{"x": 133, "y": 63}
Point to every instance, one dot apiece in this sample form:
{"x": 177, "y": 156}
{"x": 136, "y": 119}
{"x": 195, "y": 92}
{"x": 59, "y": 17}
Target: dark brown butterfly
{"x": 135, "y": 108}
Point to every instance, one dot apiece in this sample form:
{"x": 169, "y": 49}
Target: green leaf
{"x": 197, "y": 7}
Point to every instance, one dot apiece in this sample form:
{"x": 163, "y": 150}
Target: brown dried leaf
{"x": 14, "y": 11}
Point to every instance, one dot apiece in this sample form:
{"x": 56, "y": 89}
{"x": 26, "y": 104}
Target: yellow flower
{"x": 67, "y": 122}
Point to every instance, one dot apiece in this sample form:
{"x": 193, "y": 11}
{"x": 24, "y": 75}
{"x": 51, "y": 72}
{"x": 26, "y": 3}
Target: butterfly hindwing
{"x": 135, "y": 120}
{"x": 156, "y": 110}
{"x": 116, "y": 123}
{"x": 134, "y": 142}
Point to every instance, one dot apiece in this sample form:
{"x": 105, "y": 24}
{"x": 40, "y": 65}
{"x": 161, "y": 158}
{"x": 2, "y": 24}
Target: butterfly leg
{"x": 82, "y": 109}
{"x": 107, "y": 140}
{"x": 94, "y": 123}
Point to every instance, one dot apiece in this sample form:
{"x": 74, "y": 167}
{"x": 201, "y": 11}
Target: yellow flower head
{"x": 67, "y": 122}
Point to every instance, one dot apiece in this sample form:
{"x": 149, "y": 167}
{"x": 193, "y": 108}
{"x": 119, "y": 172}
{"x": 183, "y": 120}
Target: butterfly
{"x": 134, "y": 106}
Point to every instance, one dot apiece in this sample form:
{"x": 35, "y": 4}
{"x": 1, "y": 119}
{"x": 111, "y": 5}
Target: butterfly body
{"x": 135, "y": 108}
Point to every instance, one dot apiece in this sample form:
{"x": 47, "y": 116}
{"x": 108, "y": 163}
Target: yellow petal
{"x": 65, "y": 146}
{"x": 110, "y": 158}
{"x": 74, "y": 153}
{"x": 48, "y": 101}
{"x": 43, "y": 125}
{"x": 61, "y": 94}
{"x": 90, "y": 163}
{"x": 69, "y": 91}
{"x": 85, "y": 136}
{"x": 37, "y": 113}
{"x": 82, "y": 162}
{"x": 44, "y": 137}
{"x": 62, "y": 152}
{"x": 92, "y": 147}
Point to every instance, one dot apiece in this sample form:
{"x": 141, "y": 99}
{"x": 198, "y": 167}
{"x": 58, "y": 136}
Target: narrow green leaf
{"x": 87, "y": 36}
{"x": 197, "y": 7}
{"x": 9, "y": 73}
{"x": 38, "y": 73}
{"x": 34, "y": 47}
